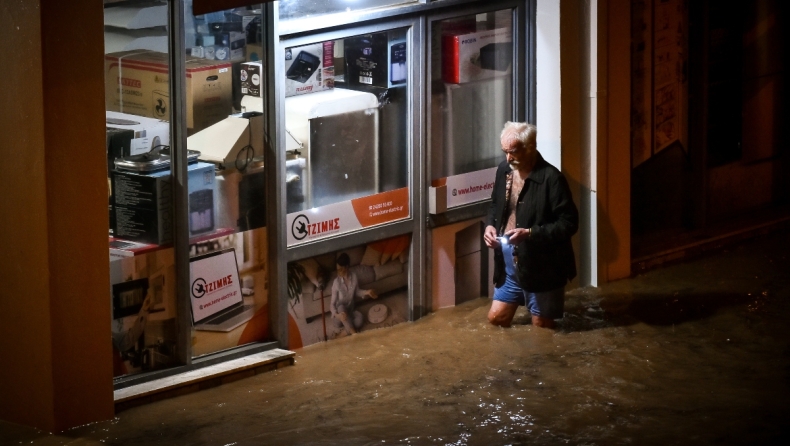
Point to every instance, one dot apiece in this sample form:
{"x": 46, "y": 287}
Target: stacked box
{"x": 367, "y": 60}
{"x": 309, "y": 68}
{"x": 477, "y": 55}
{"x": 138, "y": 82}
{"x": 250, "y": 75}
{"x": 142, "y": 204}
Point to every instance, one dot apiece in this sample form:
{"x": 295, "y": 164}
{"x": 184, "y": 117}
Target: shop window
{"x": 225, "y": 88}
{"x": 294, "y": 9}
{"x": 471, "y": 96}
{"x": 347, "y": 134}
{"x": 142, "y": 271}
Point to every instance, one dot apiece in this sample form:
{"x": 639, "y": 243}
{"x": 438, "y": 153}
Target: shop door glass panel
{"x": 142, "y": 269}
{"x": 347, "y": 134}
{"x": 471, "y": 90}
{"x": 226, "y": 86}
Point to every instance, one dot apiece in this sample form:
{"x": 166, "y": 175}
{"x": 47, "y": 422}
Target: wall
{"x": 54, "y": 216}
{"x": 548, "y": 94}
{"x": 23, "y": 217}
{"x": 595, "y": 78}
{"x": 614, "y": 132}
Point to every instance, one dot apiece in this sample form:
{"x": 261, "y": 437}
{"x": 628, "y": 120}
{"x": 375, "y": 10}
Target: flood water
{"x": 688, "y": 354}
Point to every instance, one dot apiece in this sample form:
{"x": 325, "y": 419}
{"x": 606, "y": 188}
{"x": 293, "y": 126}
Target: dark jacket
{"x": 545, "y": 205}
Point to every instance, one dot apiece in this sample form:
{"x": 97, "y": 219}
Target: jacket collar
{"x": 538, "y": 174}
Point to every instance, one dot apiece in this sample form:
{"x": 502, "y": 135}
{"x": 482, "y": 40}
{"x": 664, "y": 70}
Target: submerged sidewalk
{"x": 694, "y": 353}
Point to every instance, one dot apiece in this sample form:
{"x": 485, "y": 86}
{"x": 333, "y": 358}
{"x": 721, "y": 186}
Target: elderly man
{"x": 530, "y": 223}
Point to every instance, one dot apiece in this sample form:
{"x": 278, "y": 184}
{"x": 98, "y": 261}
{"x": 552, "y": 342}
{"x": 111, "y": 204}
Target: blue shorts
{"x": 548, "y": 304}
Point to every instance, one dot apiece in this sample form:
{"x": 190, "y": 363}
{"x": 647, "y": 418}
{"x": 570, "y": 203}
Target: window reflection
{"x": 294, "y": 9}
{"x": 471, "y": 91}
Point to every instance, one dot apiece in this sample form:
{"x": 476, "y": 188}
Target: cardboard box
{"x": 309, "y": 68}
{"x": 143, "y": 202}
{"x": 250, "y": 76}
{"x": 137, "y": 82}
{"x": 477, "y": 55}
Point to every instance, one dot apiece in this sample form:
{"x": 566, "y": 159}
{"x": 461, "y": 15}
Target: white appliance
{"x": 332, "y": 147}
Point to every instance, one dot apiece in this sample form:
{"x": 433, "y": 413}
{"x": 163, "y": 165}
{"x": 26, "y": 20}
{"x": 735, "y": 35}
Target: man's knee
{"x": 543, "y": 322}
{"x": 500, "y": 318}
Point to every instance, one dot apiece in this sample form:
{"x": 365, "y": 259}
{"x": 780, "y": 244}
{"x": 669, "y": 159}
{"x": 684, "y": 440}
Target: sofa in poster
{"x": 381, "y": 267}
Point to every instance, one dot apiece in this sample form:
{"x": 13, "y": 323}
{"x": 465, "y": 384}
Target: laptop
{"x": 215, "y": 294}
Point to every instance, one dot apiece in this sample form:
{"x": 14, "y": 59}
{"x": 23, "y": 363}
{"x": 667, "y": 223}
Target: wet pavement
{"x": 696, "y": 353}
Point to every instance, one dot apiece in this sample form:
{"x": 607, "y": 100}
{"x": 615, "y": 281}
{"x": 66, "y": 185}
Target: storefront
{"x": 273, "y": 185}
{"x": 317, "y": 169}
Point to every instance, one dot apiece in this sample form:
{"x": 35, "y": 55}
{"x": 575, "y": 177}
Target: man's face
{"x": 342, "y": 271}
{"x": 515, "y": 152}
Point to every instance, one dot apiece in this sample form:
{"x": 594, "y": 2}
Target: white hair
{"x": 525, "y": 133}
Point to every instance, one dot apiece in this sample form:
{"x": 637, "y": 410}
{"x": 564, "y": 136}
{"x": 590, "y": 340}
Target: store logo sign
{"x": 200, "y": 287}
{"x": 300, "y": 228}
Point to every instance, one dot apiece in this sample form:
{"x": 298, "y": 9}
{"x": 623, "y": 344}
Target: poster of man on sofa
{"x": 350, "y": 291}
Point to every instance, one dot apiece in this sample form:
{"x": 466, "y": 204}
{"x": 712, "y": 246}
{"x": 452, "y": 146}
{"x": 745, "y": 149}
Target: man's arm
{"x": 335, "y": 298}
{"x": 564, "y": 209}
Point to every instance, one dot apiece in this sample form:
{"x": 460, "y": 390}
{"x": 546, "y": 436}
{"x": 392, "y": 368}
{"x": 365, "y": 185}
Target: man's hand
{"x": 517, "y": 235}
{"x": 489, "y": 236}
{"x": 372, "y": 294}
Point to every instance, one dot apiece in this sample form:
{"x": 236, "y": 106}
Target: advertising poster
{"x": 232, "y": 307}
{"x": 466, "y": 188}
{"x": 349, "y": 291}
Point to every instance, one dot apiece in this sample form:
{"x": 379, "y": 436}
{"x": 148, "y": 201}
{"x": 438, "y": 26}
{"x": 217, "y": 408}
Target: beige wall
{"x": 55, "y": 324}
{"x": 596, "y": 158}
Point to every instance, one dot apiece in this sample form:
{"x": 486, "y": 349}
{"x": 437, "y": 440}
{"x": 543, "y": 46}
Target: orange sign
{"x": 381, "y": 208}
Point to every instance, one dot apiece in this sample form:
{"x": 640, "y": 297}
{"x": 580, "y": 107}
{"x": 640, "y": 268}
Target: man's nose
{"x": 508, "y": 157}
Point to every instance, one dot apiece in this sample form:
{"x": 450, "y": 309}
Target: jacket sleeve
{"x": 563, "y": 208}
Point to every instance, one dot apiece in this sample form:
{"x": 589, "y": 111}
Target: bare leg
{"x": 349, "y": 326}
{"x": 543, "y": 322}
{"x": 501, "y": 313}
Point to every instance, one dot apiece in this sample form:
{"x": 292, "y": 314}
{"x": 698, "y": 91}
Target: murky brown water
{"x": 689, "y": 354}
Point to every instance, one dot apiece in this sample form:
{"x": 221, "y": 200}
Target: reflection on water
{"x": 690, "y": 354}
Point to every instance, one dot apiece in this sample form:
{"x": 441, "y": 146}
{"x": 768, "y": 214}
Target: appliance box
{"x": 142, "y": 87}
{"x": 367, "y": 60}
{"x": 250, "y": 76}
{"x": 309, "y": 68}
{"x": 477, "y": 55}
{"x": 148, "y": 132}
{"x": 143, "y": 203}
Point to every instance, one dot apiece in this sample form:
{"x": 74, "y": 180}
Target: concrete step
{"x": 203, "y": 378}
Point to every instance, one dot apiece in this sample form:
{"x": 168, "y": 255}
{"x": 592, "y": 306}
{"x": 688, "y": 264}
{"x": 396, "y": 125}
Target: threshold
{"x": 204, "y": 373}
